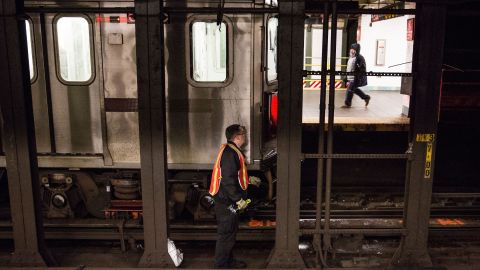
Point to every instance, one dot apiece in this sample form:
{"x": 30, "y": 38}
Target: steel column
{"x": 331, "y": 114}
{"x": 149, "y": 28}
{"x": 290, "y": 65}
{"x": 317, "y": 240}
{"x": 20, "y": 147}
{"x": 427, "y": 67}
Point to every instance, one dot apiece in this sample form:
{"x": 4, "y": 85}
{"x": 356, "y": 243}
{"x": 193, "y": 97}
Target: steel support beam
{"x": 331, "y": 113}
{"x": 427, "y": 68}
{"x": 149, "y": 28}
{"x": 166, "y": 10}
{"x": 317, "y": 238}
{"x": 290, "y": 65}
{"x": 20, "y": 147}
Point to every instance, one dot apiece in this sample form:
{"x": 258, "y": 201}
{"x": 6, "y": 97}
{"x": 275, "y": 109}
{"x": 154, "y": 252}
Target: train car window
{"x": 209, "y": 52}
{"x": 31, "y": 63}
{"x": 209, "y": 57}
{"x": 74, "y": 50}
{"x": 272, "y": 26}
{"x": 272, "y": 2}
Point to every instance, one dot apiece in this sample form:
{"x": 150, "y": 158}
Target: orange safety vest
{"x": 217, "y": 171}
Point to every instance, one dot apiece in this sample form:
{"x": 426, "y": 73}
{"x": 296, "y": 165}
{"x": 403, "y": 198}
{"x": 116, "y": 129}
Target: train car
{"x": 83, "y": 76}
{"x": 84, "y": 91}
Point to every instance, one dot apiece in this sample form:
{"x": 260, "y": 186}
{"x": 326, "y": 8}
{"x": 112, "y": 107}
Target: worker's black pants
{"x": 227, "y": 222}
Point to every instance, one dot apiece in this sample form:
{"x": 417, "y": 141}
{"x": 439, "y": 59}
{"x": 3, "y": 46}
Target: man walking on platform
{"x": 356, "y": 63}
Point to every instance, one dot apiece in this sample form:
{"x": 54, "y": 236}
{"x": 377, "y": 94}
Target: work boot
{"x": 235, "y": 264}
{"x": 367, "y": 100}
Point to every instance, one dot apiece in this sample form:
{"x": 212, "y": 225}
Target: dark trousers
{"x": 227, "y": 222}
{"x": 354, "y": 90}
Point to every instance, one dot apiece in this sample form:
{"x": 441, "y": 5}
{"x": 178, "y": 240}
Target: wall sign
{"x": 410, "y": 29}
{"x": 381, "y": 17}
{"x": 427, "y": 138}
{"x": 380, "y": 55}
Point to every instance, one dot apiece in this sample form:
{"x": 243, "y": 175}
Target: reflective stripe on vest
{"x": 217, "y": 171}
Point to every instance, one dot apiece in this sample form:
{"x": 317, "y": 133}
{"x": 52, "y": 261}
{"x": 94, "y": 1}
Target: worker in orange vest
{"x": 227, "y": 186}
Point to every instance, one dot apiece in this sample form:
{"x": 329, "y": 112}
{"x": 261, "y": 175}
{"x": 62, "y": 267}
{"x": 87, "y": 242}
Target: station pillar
{"x": 149, "y": 31}
{"x": 19, "y": 138}
{"x": 290, "y": 65}
{"x": 427, "y": 68}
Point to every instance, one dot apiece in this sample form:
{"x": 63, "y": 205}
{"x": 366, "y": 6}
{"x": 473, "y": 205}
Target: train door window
{"x": 74, "y": 50}
{"x": 31, "y": 59}
{"x": 209, "y": 52}
{"x": 272, "y": 2}
{"x": 209, "y": 56}
{"x": 272, "y": 26}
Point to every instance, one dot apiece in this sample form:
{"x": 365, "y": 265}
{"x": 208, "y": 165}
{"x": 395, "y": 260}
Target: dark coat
{"x": 360, "y": 70}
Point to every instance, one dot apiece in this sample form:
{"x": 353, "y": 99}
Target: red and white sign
{"x": 316, "y": 84}
{"x": 130, "y": 18}
{"x": 410, "y": 29}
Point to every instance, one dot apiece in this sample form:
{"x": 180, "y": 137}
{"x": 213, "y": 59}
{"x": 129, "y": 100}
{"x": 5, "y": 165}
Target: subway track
{"x": 451, "y": 212}
{"x": 206, "y": 231}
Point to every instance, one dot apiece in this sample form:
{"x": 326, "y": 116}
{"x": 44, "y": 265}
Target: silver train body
{"x": 95, "y": 124}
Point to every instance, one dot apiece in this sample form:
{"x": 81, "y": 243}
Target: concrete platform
{"x": 383, "y": 111}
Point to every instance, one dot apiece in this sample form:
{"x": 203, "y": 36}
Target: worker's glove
{"x": 255, "y": 181}
{"x": 241, "y": 204}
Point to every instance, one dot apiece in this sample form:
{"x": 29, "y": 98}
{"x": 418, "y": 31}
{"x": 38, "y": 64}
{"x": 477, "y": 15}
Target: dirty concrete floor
{"x": 385, "y": 108}
{"x": 109, "y": 254}
{"x": 196, "y": 255}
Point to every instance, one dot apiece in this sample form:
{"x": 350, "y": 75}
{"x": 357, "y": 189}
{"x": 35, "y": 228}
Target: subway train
{"x": 84, "y": 89}
{"x": 218, "y": 72}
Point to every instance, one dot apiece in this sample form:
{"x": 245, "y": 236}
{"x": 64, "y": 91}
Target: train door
{"x": 215, "y": 88}
{"x": 270, "y": 85}
{"x": 119, "y": 68}
{"x": 38, "y": 79}
{"x": 73, "y": 46}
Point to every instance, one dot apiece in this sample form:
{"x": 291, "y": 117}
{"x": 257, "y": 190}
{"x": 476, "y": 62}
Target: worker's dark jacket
{"x": 360, "y": 69}
{"x": 229, "y": 191}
